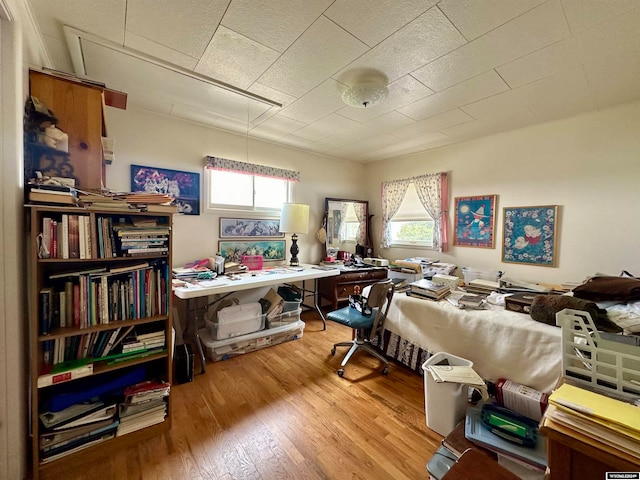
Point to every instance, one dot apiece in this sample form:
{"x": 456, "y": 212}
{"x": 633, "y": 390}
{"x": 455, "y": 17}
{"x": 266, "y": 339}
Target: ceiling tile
{"x": 156, "y": 50}
{"x": 371, "y": 143}
{"x": 235, "y": 59}
{"x": 426, "y": 38}
{"x": 535, "y": 29}
{"x": 59, "y": 53}
{"x": 584, "y": 14}
{"x": 372, "y": 22}
{"x": 186, "y": 26}
{"x": 271, "y": 93}
{"x": 619, "y": 35}
{"x": 321, "y": 101}
{"x": 433, "y": 124}
{"x": 104, "y": 18}
{"x": 326, "y": 126}
{"x": 150, "y": 103}
{"x": 194, "y": 114}
{"x": 321, "y": 51}
{"x": 277, "y": 124}
{"x": 475, "y": 18}
{"x": 255, "y": 19}
{"x": 482, "y": 86}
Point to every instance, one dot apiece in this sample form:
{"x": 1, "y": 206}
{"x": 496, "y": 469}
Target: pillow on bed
{"x": 545, "y": 307}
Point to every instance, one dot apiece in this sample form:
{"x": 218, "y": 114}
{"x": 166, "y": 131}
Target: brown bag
{"x": 606, "y": 288}
{"x": 544, "y": 308}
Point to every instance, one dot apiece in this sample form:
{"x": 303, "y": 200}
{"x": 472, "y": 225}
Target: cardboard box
{"x": 450, "y": 281}
{"x": 276, "y": 303}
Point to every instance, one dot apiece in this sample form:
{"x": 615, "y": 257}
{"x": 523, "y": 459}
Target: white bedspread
{"x": 500, "y": 343}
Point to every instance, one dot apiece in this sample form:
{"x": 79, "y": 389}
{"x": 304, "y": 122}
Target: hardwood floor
{"x": 283, "y": 412}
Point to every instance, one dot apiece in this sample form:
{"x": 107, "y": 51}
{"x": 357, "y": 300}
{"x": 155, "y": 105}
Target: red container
{"x": 253, "y": 262}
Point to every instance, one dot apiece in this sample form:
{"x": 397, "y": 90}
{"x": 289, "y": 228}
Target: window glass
{"x": 412, "y": 225}
{"x": 244, "y": 191}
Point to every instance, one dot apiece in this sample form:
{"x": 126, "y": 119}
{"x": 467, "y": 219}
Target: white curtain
{"x": 432, "y": 190}
{"x": 361, "y": 215}
{"x": 393, "y": 193}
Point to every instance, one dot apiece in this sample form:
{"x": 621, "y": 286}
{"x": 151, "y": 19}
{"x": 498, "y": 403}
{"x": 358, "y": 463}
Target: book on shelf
{"x": 159, "y": 208}
{"x": 56, "y": 198}
{"x": 76, "y": 448}
{"x": 146, "y": 391}
{"x": 128, "y": 410}
{"x": 46, "y": 310}
{"x": 58, "y": 438}
{"x": 55, "y": 377}
{"x": 73, "y": 235}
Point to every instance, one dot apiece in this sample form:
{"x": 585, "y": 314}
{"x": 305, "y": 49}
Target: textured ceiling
{"x": 455, "y": 69}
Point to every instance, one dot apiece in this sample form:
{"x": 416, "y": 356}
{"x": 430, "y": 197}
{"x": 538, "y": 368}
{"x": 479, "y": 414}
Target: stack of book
{"x": 471, "y": 300}
{"x": 53, "y": 194}
{"x": 144, "y": 342}
{"x": 76, "y": 427}
{"x": 152, "y": 202}
{"x": 481, "y": 286}
{"x": 144, "y": 406}
{"x": 135, "y": 240}
{"x": 427, "y": 289}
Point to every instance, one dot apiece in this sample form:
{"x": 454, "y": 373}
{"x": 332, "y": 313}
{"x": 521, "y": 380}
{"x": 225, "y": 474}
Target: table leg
{"x": 196, "y": 336}
{"x": 316, "y": 298}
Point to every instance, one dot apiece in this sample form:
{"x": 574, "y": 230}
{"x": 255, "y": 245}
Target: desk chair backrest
{"x": 379, "y": 298}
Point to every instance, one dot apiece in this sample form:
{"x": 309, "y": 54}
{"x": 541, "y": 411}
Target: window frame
{"x": 218, "y": 207}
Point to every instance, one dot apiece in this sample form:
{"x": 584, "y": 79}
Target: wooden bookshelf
{"x": 139, "y": 297}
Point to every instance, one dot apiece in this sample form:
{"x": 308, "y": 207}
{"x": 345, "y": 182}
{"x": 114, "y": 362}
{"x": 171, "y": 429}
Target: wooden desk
{"x": 338, "y": 288}
{"x": 224, "y": 286}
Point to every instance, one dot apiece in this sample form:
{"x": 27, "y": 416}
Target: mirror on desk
{"x": 347, "y": 223}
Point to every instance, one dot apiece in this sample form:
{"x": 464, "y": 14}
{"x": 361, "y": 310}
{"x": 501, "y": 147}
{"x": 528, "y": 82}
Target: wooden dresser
{"x": 337, "y": 289}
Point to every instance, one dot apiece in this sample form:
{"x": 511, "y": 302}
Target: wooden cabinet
{"x": 338, "y": 288}
{"x": 573, "y": 456}
{"x": 79, "y": 110}
{"x": 92, "y": 280}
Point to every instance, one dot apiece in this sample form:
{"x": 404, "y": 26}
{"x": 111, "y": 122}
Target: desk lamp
{"x": 294, "y": 219}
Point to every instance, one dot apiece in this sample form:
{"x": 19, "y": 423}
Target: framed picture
{"x": 184, "y": 187}
{"x": 530, "y": 235}
{"x": 249, "y": 227}
{"x": 271, "y": 250}
{"x": 475, "y": 221}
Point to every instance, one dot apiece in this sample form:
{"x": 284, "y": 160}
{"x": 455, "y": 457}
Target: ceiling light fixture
{"x": 365, "y": 95}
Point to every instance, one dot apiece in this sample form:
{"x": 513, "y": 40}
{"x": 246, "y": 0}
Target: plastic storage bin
{"x": 218, "y": 350}
{"x": 237, "y": 320}
{"x": 470, "y": 274}
{"x": 290, "y": 313}
{"x": 445, "y": 403}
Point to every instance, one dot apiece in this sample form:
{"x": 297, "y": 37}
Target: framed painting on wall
{"x": 184, "y": 187}
{"x": 249, "y": 227}
{"x": 530, "y": 235}
{"x": 271, "y": 250}
{"x": 475, "y": 221}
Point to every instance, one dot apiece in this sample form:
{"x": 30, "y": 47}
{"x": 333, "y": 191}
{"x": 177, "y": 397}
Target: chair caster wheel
{"x": 333, "y": 351}
{"x": 385, "y": 370}
{"x": 341, "y": 372}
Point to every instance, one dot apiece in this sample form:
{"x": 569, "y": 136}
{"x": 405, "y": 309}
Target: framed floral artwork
{"x": 475, "y": 221}
{"x": 184, "y": 187}
{"x": 530, "y": 235}
{"x": 249, "y": 227}
{"x": 271, "y": 250}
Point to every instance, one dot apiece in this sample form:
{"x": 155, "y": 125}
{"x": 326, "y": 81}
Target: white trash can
{"x": 445, "y": 403}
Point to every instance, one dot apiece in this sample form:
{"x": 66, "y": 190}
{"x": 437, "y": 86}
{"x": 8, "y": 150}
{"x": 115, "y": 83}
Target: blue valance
{"x": 217, "y": 163}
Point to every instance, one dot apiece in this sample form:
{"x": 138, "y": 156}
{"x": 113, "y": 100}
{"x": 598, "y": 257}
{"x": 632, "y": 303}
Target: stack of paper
{"x": 597, "y": 416}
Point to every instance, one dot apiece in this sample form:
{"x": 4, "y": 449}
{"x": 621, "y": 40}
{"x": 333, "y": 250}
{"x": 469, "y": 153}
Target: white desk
{"x": 263, "y": 278}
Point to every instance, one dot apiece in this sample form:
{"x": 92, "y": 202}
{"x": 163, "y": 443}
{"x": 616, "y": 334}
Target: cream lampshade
{"x": 294, "y": 219}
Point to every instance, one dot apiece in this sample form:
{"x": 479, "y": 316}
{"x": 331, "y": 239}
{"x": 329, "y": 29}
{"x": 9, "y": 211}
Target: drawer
{"x": 361, "y": 276}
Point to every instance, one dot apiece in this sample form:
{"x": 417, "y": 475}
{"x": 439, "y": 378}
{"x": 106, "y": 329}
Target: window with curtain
{"x": 245, "y": 186}
{"x": 415, "y": 212}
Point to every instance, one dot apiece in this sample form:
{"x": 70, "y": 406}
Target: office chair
{"x": 366, "y": 326}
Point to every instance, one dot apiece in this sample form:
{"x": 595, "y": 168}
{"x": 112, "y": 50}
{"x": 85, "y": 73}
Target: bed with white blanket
{"x": 500, "y": 343}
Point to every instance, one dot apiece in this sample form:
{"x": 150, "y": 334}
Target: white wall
{"x": 588, "y": 165}
{"x": 143, "y": 138}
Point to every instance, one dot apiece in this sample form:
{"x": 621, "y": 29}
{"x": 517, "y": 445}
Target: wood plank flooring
{"x": 283, "y": 413}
